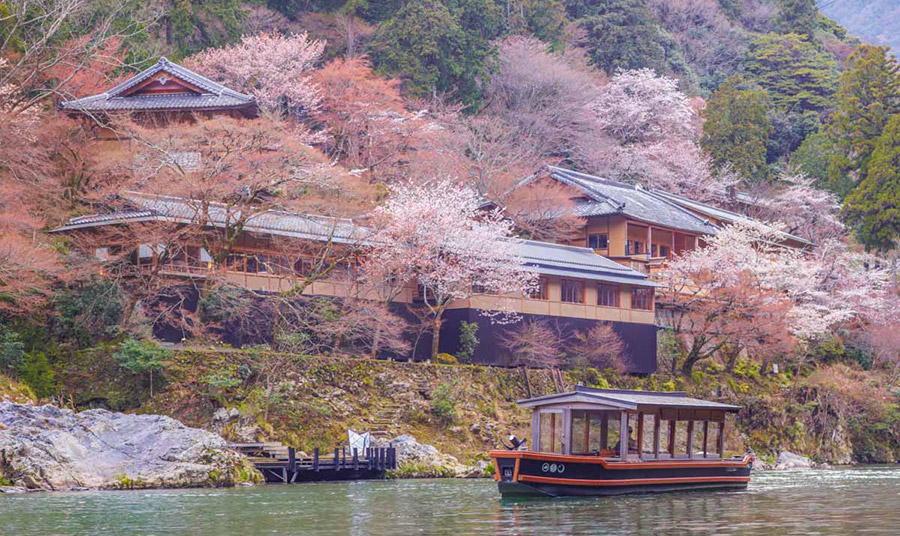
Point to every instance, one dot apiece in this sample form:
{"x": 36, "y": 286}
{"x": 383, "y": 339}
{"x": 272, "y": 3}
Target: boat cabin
{"x": 657, "y": 425}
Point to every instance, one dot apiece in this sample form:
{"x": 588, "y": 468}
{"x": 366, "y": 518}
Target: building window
{"x": 607, "y": 295}
{"x": 664, "y": 251}
{"x": 598, "y": 241}
{"x": 642, "y": 298}
{"x": 572, "y": 291}
{"x": 540, "y": 293}
{"x": 634, "y": 247}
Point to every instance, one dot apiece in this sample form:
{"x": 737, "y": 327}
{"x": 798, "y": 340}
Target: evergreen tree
{"x": 625, "y": 34}
{"x": 440, "y": 47}
{"x": 798, "y": 77}
{"x": 869, "y": 94}
{"x": 737, "y": 128}
{"x": 797, "y": 16}
{"x": 873, "y": 208}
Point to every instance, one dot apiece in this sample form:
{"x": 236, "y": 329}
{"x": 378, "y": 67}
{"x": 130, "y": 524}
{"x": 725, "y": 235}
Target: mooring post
{"x": 369, "y": 458}
{"x": 292, "y": 460}
{"x": 337, "y": 459}
{"x": 355, "y": 459}
{"x": 316, "y": 459}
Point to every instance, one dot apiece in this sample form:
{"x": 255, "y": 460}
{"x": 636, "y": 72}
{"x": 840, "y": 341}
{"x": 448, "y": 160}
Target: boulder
{"x": 45, "y": 447}
{"x": 419, "y": 460}
{"x": 788, "y": 460}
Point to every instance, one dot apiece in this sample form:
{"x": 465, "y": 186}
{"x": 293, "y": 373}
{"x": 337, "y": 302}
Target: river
{"x": 858, "y": 500}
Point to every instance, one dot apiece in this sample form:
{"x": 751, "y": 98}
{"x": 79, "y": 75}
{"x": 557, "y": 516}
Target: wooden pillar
{"x": 671, "y": 446}
{"x": 705, "y": 438}
{"x": 721, "y": 439}
{"x": 650, "y": 241}
{"x": 587, "y": 431}
{"x": 672, "y": 249}
{"x": 640, "y": 435}
{"x": 535, "y": 431}
{"x": 604, "y": 431}
{"x": 552, "y": 432}
{"x": 623, "y": 435}
{"x": 567, "y": 431}
{"x": 690, "y": 438}
{"x": 656, "y": 424}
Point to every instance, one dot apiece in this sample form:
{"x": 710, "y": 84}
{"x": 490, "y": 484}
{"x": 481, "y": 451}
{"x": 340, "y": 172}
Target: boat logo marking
{"x": 553, "y": 468}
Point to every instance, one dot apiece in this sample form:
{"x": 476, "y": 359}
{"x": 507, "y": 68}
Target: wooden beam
{"x": 690, "y": 439}
{"x": 552, "y": 432}
{"x": 587, "y": 431}
{"x": 623, "y": 435}
{"x": 640, "y": 435}
{"x": 705, "y": 438}
{"x": 567, "y": 431}
{"x": 656, "y": 423}
{"x": 535, "y": 430}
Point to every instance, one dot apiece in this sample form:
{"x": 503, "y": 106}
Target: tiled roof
{"x": 544, "y": 258}
{"x": 628, "y": 399}
{"x": 716, "y": 212}
{"x": 573, "y": 261}
{"x": 609, "y": 197}
{"x": 215, "y": 96}
{"x": 164, "y": 208}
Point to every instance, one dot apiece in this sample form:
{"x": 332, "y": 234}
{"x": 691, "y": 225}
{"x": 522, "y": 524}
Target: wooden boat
{"x": 577, "y": 452}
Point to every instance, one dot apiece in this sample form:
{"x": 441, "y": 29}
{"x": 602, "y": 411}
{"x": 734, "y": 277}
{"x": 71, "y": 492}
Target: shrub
{"x": 12, "y": 350}
{"x": 468, "y": 341}
{"x": 143, "y": 356}
{"x": 35, "y": 372}
{"x": 445, "y": 359}
{"x": 443, "y": 403}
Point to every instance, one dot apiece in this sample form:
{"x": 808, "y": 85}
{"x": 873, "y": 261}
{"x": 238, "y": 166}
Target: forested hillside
{"x": 409, "y": 110}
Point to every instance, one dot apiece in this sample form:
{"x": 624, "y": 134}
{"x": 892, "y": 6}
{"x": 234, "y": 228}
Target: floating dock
{"x": 281, "y": 465}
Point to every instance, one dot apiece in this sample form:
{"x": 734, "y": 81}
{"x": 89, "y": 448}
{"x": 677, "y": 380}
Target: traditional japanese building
{"x": 641, "y": 228}
{"x": 578, "y": 288}
{"x": 163, "y": 92}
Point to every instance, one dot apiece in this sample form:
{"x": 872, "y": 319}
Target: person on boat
{"x": 632, "y": 442}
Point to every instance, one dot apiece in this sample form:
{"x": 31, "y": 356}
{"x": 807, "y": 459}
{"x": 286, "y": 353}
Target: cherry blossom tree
{"x": 806, "y": 211}
{"x": 638, "y": 106}
{"x": 532, "y": 343}
{"x": 274, "y": 68}
{"x": 744, "y": 291}
{"x": 436, "y": 238}
{"x": 599, "y": 346}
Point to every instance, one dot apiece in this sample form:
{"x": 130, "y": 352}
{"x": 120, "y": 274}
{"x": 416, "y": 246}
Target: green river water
{"x": 859, "y": 500}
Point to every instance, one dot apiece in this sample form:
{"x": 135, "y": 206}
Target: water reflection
{"x": 834, "y": 502}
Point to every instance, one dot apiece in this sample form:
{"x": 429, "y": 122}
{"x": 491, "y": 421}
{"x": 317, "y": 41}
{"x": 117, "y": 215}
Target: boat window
{"x": 551, "y": 432}
{"x": 587, "y": 433}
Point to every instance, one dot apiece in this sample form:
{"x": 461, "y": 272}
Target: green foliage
{"x": 197, "y": 24}
{"x": 797, "y": 16}
{"x": 812, "y": 157}
{"x": 141, "y": 356}
{"x": 625, "y": 34}
{"x": 443, "y": 402}
{"x": 468, "y": 341}
{"x": 789, "y": 130}
{"x": 440, "y": 47}
{"x": 737, "y": 128}
{"x": 798, "y": 76}
{"x": 91, "y": 312}
{"x": 544, "y": 19}
{"x": 12, "y": 350}
{"x": 35, "y": 372}
{"x": 873, "y": 208}
{"x": 869, "y": 94}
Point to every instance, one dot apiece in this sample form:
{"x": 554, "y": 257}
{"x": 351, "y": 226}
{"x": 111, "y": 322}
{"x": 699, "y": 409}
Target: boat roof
{"x": 627, "y": 399}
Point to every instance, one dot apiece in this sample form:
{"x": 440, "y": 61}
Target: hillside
{"x": 875, "y": 21}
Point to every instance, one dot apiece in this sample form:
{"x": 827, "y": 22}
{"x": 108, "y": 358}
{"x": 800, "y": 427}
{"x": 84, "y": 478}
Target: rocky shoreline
{"x": 48, "y": 448}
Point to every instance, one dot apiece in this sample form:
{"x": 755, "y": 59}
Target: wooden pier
{"x": 281, "y": 465}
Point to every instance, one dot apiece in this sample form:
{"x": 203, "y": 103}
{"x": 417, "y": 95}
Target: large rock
{"x": 45, "y": 447}
{"x": 419, "y": 460}
{"x": 789, "y": 460}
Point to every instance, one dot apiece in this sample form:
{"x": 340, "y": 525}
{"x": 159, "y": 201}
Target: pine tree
{"x": 798, "y": 76}
{"x": 797, "y": 16}
{"x": 868, "y": 96}
{"x": 874, "y": 206}
{"x": 737, "y": 128}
